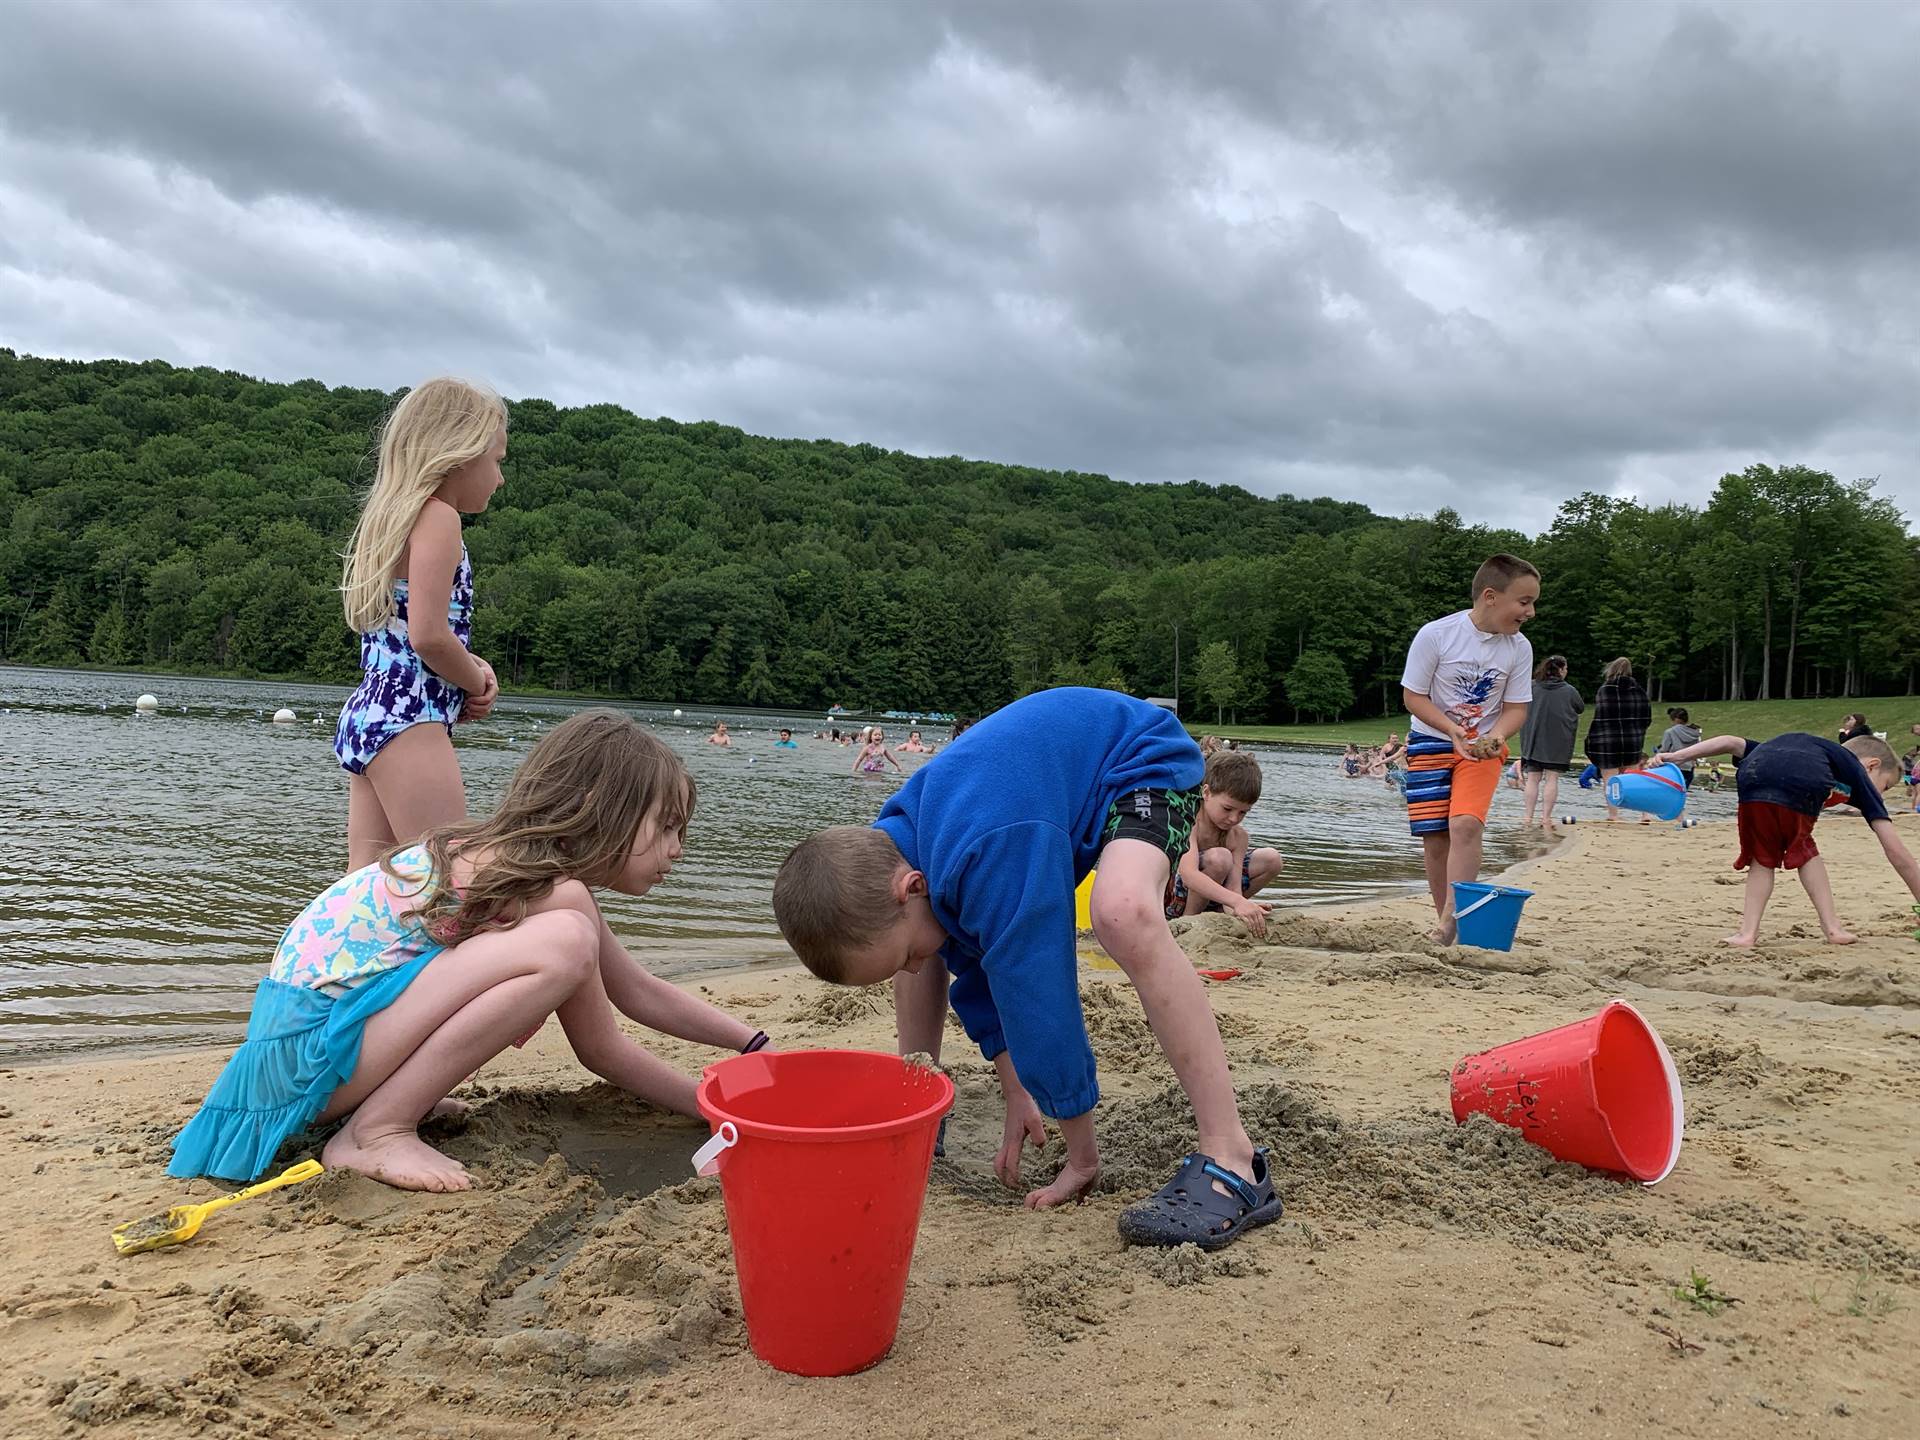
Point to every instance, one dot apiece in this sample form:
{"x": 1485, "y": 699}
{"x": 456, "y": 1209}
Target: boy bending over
{"x": 1783, "y": 784}
{"x": 1468, "y": 681}
{"x": 1219, "y": 853}
{"x": 970, "y": 871}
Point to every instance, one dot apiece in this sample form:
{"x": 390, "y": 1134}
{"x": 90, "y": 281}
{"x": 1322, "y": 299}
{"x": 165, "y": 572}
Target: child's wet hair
{"x": 1872, "y": 747}
{"x": 571, "y": 811}
{"x": 1235, "y": 774}
{"x": 834, "y": 895}
{"x": 1497, "y": 572}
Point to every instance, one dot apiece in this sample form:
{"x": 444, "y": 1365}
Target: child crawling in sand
{"x": 1784, "y": 783}
{"x": 411, "y": 973}
{"x": 970, "y": 870}
{"x": 1221, "y": 852}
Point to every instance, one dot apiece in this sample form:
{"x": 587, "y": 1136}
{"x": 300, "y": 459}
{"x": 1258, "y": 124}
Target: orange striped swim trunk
{"x": 1440, "y": 785}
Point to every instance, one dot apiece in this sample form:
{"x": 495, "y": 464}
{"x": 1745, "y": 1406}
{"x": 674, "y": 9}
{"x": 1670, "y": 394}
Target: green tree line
{"x": 192, "y": 519}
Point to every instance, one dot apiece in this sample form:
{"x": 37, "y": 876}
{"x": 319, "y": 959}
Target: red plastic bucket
{"x": 823, "y": 1158}
{"x": 1602, "y": 1092}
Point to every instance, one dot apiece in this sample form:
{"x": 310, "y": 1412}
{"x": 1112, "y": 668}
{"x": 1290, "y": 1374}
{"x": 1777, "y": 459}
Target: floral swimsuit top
{"x": 361, "y": 925}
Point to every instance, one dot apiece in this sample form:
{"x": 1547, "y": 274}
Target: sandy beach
{"x": 1428, "y": 1279}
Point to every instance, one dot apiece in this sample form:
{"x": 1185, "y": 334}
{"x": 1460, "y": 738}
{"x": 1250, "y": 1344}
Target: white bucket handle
{"x": 706, "y": 1160}
{"x": 1493, "y": 894}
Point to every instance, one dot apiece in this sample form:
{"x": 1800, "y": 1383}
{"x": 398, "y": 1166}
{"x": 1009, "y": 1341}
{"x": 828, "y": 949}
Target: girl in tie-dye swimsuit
{"x": 400, "y": 980}
{"x": 408, "y": 591}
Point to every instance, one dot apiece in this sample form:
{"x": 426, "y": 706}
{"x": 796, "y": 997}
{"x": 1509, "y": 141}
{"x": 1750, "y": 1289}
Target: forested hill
{"x": 151, "y": 515}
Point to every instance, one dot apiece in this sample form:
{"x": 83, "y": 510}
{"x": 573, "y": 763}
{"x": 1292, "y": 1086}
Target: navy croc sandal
{"x": 1188, "y": 1210}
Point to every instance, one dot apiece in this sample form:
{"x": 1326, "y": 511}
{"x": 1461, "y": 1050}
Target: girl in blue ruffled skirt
{"x": 411, "y": 973}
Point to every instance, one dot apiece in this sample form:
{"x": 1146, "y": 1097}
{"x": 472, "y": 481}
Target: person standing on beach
{"x": 1546, "y": 740}
{"x": 1617, "y": 738}
{"x": 1468, "y": 683}
{"x": 1681, "y": 732}
{"x": 408, "y": 590}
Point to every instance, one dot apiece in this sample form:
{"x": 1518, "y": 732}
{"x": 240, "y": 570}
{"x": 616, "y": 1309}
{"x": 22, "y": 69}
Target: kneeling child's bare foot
{"x": 399, "y": 1158}
{"x": 448, "y": 1109}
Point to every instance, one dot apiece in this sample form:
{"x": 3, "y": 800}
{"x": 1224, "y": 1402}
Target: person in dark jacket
{"x": 1854, "y": 726}
{"x": 1617, "y": 738}
{"x": 1546, "y": 740}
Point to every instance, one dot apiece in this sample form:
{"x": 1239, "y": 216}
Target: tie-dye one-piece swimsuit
{"x": 397, "y": 690}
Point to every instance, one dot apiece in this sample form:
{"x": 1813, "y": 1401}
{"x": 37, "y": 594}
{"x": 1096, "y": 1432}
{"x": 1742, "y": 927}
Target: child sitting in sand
{"x": 1784, "y": 783}
{"x": 1219, "y": 850}
{"x": 1468, "y": 681}
{"x": 410, "y": 974}
{"x": 971, "y": 871}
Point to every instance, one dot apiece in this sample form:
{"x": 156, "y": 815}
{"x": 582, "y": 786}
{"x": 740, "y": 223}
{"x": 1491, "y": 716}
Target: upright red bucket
{"x": 823, "y": 1178}
{"x": 1602, "y": 1092}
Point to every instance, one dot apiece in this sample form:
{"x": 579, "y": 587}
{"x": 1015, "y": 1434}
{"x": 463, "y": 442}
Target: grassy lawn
{"x": 1756, "y": 718}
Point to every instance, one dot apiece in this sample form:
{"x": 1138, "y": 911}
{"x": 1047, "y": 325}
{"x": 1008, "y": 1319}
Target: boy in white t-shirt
{"x": 1468, "y": 681}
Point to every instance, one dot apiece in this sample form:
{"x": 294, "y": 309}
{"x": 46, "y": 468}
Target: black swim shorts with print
{"x": 1162, "y": 818}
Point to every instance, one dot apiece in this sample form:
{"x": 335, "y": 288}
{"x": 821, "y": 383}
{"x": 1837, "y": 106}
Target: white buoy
{"x": 1568, "y": 819}
{"x": 676, "y": 714}
{"x": 284, "y": 716}
{"x": 145, "y": 702}
{"x": 1687, "y": 822}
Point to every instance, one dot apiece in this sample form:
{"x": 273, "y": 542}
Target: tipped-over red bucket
{"x": 1602, "y": 1092}
{"x": 823, "y": 1158}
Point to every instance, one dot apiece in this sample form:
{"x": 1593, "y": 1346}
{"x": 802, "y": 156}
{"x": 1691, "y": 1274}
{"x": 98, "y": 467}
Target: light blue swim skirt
{"x": 301, "y": 1046}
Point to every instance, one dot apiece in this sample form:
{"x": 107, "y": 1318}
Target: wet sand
{"x": 1428, "y": 1278}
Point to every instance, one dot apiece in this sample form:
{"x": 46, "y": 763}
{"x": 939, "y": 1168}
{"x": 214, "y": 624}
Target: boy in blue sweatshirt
{"x": 970, "y": 871}
{"x": 1784, "y": 784}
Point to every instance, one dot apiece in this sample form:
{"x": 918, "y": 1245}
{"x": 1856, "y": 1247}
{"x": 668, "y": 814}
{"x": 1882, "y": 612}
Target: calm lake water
{"x": 148, "y": 863}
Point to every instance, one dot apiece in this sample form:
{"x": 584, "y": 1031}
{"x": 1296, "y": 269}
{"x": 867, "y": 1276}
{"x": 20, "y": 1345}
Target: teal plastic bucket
{"x": 1487, "y": 914}
{"x": 1659, "y": 791}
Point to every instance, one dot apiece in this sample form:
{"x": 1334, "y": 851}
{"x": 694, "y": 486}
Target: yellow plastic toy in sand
{"x": 1083, "y": 903}
{"x": 182, "y": 1222}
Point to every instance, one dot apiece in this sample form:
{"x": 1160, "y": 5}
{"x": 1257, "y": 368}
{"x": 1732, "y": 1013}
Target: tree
{"x": 1216, "y": 677}
{"x": 1317, "y": 683}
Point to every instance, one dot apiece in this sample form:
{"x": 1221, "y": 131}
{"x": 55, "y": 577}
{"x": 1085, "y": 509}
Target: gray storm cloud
{"x": 1483, "y": 255}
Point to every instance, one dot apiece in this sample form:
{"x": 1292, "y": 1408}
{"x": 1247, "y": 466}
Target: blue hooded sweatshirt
{"x": 1004, "y": 823}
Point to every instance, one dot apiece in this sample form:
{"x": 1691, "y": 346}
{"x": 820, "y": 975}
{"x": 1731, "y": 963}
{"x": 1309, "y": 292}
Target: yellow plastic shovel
{"x": 181, "y": 1223}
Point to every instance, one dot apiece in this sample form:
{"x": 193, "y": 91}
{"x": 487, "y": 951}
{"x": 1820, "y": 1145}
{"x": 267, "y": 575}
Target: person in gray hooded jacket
{"x": 1546, "y": 740}
{"x": 1680, "y": 734}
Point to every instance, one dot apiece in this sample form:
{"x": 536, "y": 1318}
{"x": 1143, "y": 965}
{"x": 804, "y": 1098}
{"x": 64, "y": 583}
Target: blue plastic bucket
{"x": 1659, "y": 791}
{"x": 1487, "y": 914}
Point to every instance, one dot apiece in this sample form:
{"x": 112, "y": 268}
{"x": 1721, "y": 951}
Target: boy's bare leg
{"x": 920, "y": 1008}
{"x": 1463, "y": 863}
{"x": 1433, "y": 854}
{"x": 1133, "y": 930}
{"x": 1214, "y": 864}
{"x": 1813, "y": 876}
{"x": 1753, "y": 905}
{"x": 1263, "y": 868}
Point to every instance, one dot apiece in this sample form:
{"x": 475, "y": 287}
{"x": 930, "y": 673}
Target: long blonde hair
{"x": 437, "y": 427}
{"x": 570, "y": 812}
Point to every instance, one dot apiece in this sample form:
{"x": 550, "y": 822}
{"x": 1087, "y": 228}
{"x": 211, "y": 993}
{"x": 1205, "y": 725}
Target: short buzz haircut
{"x": 833, "y": 894}
{"x": 1236, "y": 774}
{"x": 1872, "y": 747}
{"x": 1497, "y": 572}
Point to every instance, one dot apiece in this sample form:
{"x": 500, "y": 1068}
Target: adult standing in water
{"x": 1546, "y": 740}
{"x": 1617, "y": 738}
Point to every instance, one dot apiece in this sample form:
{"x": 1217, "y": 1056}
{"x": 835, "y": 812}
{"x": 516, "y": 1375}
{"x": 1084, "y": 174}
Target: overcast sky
{"x": 1474, "y": 254}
